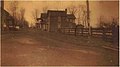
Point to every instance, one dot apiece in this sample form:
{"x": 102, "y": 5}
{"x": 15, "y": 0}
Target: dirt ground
{"x": 36, "y": 48}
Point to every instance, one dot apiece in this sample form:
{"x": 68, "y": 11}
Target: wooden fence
{"x": 104, "y": 33}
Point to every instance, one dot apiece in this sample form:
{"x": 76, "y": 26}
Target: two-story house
{"x": 54, "y": 20}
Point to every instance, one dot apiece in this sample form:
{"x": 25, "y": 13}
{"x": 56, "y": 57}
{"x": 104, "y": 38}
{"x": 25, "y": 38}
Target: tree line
{"x": 18, "y": 14}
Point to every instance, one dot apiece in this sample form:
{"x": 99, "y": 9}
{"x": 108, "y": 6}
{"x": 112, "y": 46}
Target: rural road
{"x": 34, "y": 48}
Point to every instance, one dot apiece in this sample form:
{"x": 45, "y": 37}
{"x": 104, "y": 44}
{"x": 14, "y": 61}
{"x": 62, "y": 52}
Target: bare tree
{"x": 35, "y": 14}
{"x": 18, "y": 16}
{"x": 82, "y": 15}
{"x": 45, "y": 9}
{"x": 72, "y": 9}
{"x": 13, "y": 9}
{"x": 22, "y": 13}
{"x": 103, "y": 23}
{"x": 100, "y": 22}
{"x": 85, "y": 19}
{"x": 22, "y": 19}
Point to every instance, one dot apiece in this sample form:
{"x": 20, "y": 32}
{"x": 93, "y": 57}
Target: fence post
{"x": 104, "y": 34}
{"x": 68, "y": 30}
{"x": 75, "y": 30}
{"x": 82, "y": 31}
{"x": 64, "y": 30}
{"x": 115, "y": 34}
{"x": 91, "y": 31}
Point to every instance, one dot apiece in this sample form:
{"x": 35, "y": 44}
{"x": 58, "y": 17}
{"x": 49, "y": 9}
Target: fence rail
{"x": 107, "y": 34}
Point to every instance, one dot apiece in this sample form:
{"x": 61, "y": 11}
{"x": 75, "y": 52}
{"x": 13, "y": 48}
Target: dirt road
{"x": 35, "y": 48}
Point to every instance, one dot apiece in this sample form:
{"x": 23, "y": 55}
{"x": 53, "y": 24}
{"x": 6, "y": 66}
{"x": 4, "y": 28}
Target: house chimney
{"x": 66, "y": 11}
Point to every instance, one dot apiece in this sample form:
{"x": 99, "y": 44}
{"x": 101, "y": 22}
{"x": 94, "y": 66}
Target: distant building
{"x": 53, "y": 20}
{"x": 7, "y": 20}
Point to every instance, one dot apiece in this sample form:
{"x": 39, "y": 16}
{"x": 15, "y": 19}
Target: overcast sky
{"x": 108, "y": 9}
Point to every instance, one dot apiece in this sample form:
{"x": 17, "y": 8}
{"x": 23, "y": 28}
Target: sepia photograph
{"x": 59, "y": 33}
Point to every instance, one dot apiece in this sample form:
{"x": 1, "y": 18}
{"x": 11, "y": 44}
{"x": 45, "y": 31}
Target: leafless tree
{"x": 22, "y": 19}
{"x": 103, "y": 23}
{"x": 72, "y": 9}
{"x": 45, "y": 9}
{"x": 82, "y": 15}
{"x": 81, "y": 12}
{"x": 18, "y": 17}
{"x": 35, "y": 14}
{"x": 13, "y": 9}
{"x": 100, "y": 22}
{"x": 22, "y": 13}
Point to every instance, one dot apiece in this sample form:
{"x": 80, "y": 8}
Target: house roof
{"x": 71, "y": 16}
{"x": 6, "y": 14}
{"x": 56, "y": 13}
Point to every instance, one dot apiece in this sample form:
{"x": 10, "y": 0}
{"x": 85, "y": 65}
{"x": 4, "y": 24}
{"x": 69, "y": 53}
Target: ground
{"x": 35, "y": 47}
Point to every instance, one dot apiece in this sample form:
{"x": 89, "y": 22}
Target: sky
{"x": 107, "y": 9}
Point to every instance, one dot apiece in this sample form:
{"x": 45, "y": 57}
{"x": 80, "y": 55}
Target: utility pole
{"x": 88, "y": 21}
{"x": 88, "y": 17}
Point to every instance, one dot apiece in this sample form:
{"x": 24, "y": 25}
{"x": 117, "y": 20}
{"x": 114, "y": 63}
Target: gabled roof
{"x": 71, "y": 16}
{"x": 6, "y": 14}
{"x": 56, "y": 13}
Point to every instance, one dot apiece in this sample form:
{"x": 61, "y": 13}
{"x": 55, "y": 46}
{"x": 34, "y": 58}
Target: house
{"x": 42, "y": 22}
{"x": 54, "y": 20}
{"x": 7, "y": 21}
